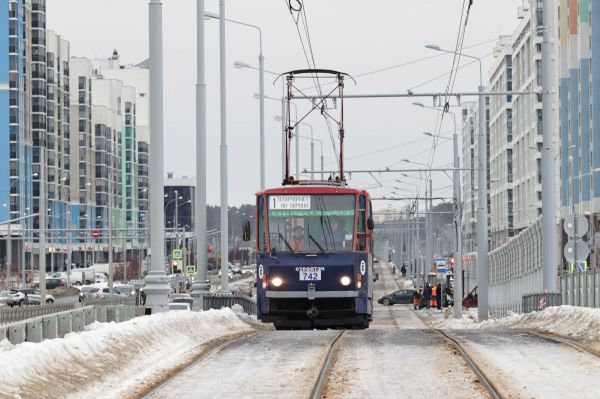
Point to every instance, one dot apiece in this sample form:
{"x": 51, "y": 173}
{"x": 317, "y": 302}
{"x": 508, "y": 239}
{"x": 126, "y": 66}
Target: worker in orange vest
{"x": 433, "y": 300}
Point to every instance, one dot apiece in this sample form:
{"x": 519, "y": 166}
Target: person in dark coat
{"x": 439, "y": 296}
{"x": 427, "y": 295}
{"x": 403, "y": 271}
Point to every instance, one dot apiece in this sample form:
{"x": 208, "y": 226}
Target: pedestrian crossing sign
{"x": 178, "y": 254}
{"x": 190, "y": 270}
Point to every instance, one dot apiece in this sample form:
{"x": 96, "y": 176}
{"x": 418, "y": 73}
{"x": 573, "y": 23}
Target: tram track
{"x": 213, "y": 348}
{"x": 328, "y": 360}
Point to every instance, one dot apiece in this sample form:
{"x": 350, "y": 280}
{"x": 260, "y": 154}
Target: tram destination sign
{"x": 289, "y": 202}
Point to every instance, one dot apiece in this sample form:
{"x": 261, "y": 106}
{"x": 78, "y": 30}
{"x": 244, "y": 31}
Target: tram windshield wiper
{"x": 286, "y": 242}
{"x": 317, "y": 244}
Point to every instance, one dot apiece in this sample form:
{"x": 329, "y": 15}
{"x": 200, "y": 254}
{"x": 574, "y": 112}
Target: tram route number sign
{"x": 287, "y": 202}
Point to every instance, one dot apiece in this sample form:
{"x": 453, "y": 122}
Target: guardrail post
{"x": 16, "y": 333}
{"x": 64, "y": 324}
{"x": 33, "y": 330}
{"x": 50, "y": 327}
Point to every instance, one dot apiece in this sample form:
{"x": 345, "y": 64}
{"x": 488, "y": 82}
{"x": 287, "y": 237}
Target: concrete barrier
{"x": 89, "y": 315}
{"x": 16, "y": 333}
{"x": 111, "y": 314}
{"x": 130, "y": 312}
{"x": 77, "y": 320}
{"x": 50, "y": 327}
{"x": 64, "y": 324}
{"x": 3, "y": 333}
{"x": 100, "y": 314}
{"x": 33, "y": 330}
{"x": 121, "y": 313}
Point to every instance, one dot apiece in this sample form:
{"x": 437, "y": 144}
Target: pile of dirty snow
{"x": 112, "y": 360}
{"x": 568, "y": 321}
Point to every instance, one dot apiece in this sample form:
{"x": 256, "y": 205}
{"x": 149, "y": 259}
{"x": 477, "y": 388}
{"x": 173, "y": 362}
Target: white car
{"x": 34, "y": 298}
{"x": 101, "y": 278}
{"x": 179, "y": 306}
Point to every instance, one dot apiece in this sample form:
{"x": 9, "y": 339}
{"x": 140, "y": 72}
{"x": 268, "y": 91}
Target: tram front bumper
{"x": 311, "y": 295}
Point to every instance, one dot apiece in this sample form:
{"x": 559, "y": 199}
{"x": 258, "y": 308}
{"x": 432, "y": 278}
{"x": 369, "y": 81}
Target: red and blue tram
{"x": 314, "y": 257}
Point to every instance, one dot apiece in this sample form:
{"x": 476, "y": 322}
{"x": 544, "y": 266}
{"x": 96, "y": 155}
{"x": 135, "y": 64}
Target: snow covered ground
{"x": 568, "y": 321}
{"x": 111, "y": 360}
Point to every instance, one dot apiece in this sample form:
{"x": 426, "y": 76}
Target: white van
{"x": 78, "y": 276}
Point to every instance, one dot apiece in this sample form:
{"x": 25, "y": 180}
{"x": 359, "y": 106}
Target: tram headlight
{"x": 276, "y": 281}
{"x": 345, "y": 280}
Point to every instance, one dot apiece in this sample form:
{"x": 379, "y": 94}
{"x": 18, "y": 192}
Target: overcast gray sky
{"x": 348, "y": 35}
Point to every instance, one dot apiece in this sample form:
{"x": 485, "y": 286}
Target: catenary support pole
{"x": 297, "y": 143}
{"x": 458, "y": 289}
{"x": 549, "y": 244}
{"x": 43, "y": 211}
{"x": 224, "y": 199}
{"x": 261, "y": 78}
{"x": 157, "y": 286}
{"x": 482, "y": 225}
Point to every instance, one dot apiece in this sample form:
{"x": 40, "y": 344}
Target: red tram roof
{"x": 316, "y": 189}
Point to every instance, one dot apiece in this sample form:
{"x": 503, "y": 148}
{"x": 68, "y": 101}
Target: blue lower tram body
{"x": 323, "y": 301}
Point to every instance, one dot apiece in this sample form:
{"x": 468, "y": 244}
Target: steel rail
{"x": 565, "y": 341}
{"x": 487, "y": 383}
{"x": 220, "y": 344}
{"x": 321, "y": 383}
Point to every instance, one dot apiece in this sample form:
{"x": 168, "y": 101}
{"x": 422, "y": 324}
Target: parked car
{"x": 78, "y": 276}
{"x": 4, "y": 296}
{"x": 35, "y": 297}
{"x": 52, "y": 283}
{"x": 101, "y": 278}
{"x": 18, "y": 297}
{"x": 470, "y": 301}
{"x": 181, "y": 298}
{"x": 403, "y": 296}
{"x": 179, "y": 306}
{"x": 87, "y": 292}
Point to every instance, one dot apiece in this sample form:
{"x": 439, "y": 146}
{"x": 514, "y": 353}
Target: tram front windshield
{"x": 311, "y": 222}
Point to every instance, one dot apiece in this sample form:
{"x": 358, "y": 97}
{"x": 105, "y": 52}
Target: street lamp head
{"x": 278, "y": 118}
{"x": 36, "y": 174}
{"x": 433, "y": 47}
{"x": 419, "y": 105}
{"x": 241, "y": 65}
{"x": 256, "y": 96}
{"x": 595, "y": 170}
{"x": 428, "y": 134}
{"x": 406, "y": 160}
{"x": 210, "y": 15}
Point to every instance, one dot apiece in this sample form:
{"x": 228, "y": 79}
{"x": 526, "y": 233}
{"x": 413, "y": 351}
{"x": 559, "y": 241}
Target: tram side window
{"x": 260, "y": 233}
{"x": 361, "y": 225}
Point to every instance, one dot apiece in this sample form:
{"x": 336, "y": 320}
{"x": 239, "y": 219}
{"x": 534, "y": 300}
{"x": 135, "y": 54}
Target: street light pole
{"x": 548, "y": 196}
{"x": 201, "y": 286}
{"x": 157, "y": 287}
{"x": 224, "y": 201}
{"x": 482, "y": 225}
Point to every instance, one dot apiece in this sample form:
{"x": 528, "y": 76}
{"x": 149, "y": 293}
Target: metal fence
{"x": 580, "y": 288}
{"x": 537, "y": 302}
{"x": 227, "y": 301}
{"x": 12, "y": 315}
{"x": 109, "y": 301}
{"x": 515, "y": 270}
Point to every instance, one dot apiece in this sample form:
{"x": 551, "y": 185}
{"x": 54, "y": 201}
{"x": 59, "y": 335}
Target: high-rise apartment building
{"x": 579, "y": 27}
{"x": 516, "y": 126}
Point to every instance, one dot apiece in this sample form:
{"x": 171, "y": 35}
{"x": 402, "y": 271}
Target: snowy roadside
{"x": 568, "y": 321}
{"x": 111, "y": 360}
